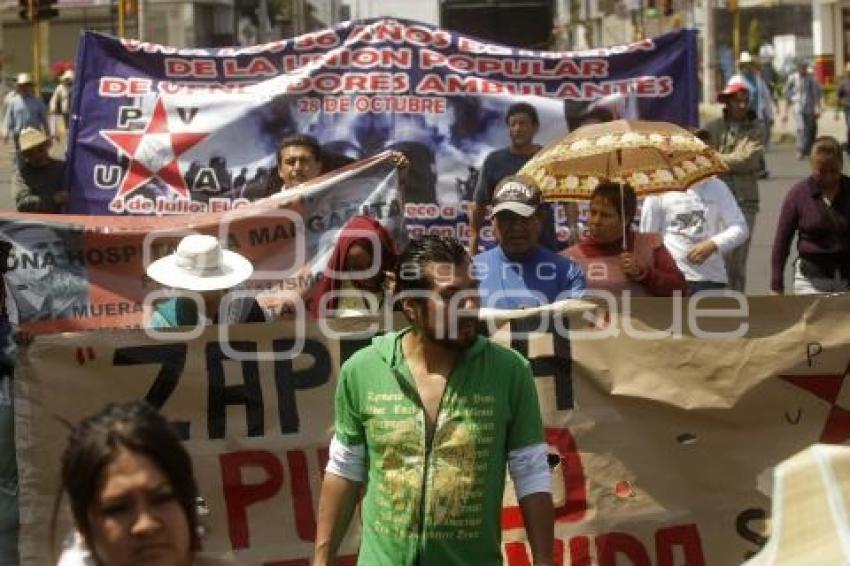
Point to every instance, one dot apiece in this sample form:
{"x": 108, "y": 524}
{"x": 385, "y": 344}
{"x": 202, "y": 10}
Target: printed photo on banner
{"x": 160, "y": 121}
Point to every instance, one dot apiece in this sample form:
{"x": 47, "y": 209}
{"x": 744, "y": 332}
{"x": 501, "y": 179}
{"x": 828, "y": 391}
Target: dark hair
{"x": 610, "y": 191}
{"x": 522, "y": 108}
{"x": 94, "y": 444}
{"x": 300, "y": 140}
{"x": 827, "y": 146}
{"x": 410, "y": 268}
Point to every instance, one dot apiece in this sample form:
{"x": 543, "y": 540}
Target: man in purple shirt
{"x": 817, "y": 210}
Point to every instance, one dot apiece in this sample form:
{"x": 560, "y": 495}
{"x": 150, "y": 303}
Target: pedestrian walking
{"x": 617, "y": 259}
{"x": 817, "y": 211}
{"x": 523, "y": 123}
{"x": 520, "y": 272}
{"x": 803, "y": 94}
{"x": 844, "y": 104}
{"x": 38, "y": 184}
{"x": 426, "y": 420}
{"x": 60, "y": 102}
{"x": 738, "y": 138}
{"x": 25, "y": 110}
{"x": 699, "y": 227}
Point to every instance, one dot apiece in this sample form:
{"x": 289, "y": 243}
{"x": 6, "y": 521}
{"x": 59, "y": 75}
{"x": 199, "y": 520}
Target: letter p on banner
{"x": 238, "y": 496}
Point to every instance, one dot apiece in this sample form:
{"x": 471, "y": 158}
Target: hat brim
{"x": 728, "y": 94}
{"x": 516, "y": 207}
{"x": 234, "y": 269}
{"x": 26, "y": 148}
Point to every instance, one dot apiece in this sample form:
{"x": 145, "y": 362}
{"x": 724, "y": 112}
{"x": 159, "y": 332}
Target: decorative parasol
{"x": 652, "y": 157}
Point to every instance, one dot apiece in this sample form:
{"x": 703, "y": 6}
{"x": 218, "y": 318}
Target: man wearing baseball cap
{"x": 26, "y": 110}
{"x": 738, "y": 137}
{"x": 38, "y": 184}
{"x": 519, "y": 272}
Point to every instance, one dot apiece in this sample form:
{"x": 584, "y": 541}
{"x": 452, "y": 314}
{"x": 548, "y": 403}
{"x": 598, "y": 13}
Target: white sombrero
{"x": 199, "y": 264}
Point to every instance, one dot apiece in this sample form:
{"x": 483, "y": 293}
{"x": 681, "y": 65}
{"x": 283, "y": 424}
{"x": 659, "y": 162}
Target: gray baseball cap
{"x": 519, "y": 195}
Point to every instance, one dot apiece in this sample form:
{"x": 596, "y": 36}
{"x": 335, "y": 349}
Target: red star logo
{"x": 153, "y": 152}
{"x": 836, "y": 430}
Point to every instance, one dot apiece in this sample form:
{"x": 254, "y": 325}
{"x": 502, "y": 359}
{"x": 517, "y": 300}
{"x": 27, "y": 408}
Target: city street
{"x": 784, "y": 168}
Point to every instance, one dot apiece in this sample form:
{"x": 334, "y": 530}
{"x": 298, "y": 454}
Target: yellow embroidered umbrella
{"x": 652, "y": 157}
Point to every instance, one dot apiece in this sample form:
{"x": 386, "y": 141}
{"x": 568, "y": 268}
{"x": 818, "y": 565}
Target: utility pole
{"x": 121, "y": 17}
{"x": 36, "y": 45}
{"x": 140, "y": 19}
{"x": 37, "y": 12}
{"x": 709, "y": 51}
{"x": 736, "y": 28}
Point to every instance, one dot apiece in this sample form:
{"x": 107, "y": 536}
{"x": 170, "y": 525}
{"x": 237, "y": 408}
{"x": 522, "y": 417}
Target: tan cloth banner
{"x": 667, "y": 438}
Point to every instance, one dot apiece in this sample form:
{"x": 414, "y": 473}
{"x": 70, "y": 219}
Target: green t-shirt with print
{"x": 439, "y": 504}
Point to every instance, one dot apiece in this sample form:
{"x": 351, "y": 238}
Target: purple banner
{"x": 161, "y": 130}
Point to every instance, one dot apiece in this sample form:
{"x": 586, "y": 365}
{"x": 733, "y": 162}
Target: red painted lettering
{"x": 517, "y": 554}
{"x": 429, "y": 59}
{"x": 239, "y": 496}
{"x": 115, "y": 87}
{"x": 685, "y": 536}
{"x": 302, "y": 496}
{"x": 609, "y": 545}
{"x": 177, "y": 67}
{"x": 572, "y": 474}
{"x": 580, "y": 551}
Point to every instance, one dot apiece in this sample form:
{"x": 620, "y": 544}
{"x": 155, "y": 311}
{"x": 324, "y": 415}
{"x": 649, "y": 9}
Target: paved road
{"x": 784, "y": 168}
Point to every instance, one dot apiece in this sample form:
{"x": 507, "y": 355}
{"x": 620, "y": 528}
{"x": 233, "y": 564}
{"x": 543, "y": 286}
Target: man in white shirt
{"x": 699, "y": 226}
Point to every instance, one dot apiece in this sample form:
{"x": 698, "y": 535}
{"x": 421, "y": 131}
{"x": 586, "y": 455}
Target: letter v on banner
{"x": 187, "y": 113}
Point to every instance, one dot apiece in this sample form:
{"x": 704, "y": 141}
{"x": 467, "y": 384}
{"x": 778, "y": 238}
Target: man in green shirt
{"x": 428, "y": 417}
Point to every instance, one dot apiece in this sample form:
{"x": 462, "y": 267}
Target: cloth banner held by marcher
{"x": 80, "y": 272}
{"x": 205, "y": 123}
{"x": 667, "y": 420}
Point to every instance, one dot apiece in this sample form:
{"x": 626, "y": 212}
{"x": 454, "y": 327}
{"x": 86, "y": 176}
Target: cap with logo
{"x": 735, "y": 85}
{"x": 518, "y": 195}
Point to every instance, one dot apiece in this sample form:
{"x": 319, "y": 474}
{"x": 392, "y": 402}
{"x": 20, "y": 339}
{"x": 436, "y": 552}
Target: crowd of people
{"x": 129, "y": 481}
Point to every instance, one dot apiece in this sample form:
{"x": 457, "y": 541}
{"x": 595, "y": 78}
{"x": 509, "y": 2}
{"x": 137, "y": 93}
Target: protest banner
{"x": 668, "y": 418}
{"x": 160, "y": 123}
{"x": 78, "y": 272}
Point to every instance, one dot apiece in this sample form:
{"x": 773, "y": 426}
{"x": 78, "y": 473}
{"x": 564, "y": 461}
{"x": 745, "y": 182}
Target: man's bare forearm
{"x": 337, "y": 502}
{"x": 539, "y": 516}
